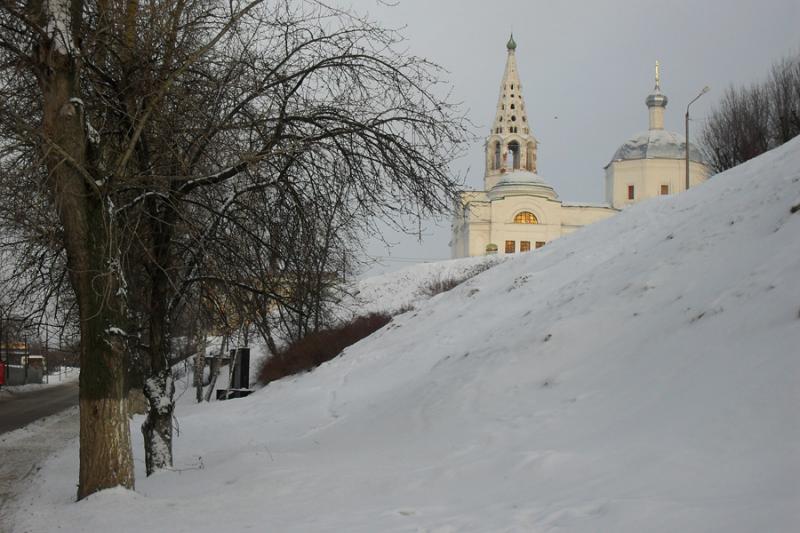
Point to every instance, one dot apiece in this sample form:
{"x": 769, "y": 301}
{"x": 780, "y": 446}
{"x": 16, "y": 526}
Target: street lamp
{"x": 704, "y": 91}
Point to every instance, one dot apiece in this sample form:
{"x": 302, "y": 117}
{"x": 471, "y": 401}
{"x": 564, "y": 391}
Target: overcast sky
{"x": 586, "y": 67}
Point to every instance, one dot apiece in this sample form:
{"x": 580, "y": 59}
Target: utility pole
{"x": 704, "y": 91}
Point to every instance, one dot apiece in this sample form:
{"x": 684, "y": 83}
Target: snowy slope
{"x": 638, "y": 375}
{"x": 406, "y": 288}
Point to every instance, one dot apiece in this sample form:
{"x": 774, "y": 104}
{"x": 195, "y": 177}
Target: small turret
{"x": 657, "y": 102}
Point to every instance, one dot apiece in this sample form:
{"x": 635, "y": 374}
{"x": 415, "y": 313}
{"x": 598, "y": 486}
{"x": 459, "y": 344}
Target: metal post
{"x": 704, "y": 91}
{"x": 687, "y": 147}
{"x": 244, "y": 367}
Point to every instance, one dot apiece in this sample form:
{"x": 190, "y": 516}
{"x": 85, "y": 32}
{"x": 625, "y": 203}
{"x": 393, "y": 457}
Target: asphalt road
{"x": 20, "y": 409}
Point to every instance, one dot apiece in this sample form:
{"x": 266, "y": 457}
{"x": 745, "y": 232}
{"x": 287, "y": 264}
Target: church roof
{"x": 656, "y": 144}
{"x": 522, "y": 183}
{"x": 511, "y": 113}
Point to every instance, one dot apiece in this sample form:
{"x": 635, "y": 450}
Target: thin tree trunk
{"x": 159, "y": 387}
{"x": 199, "y": 368}
{"x": 157, "y": 427}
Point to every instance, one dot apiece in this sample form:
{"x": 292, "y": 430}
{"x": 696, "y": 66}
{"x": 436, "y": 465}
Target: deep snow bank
{"x": 639, "y": 375}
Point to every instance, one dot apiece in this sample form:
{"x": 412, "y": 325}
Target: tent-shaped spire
{"x": 511, "y": 114}
{"x": 510, "y": 145}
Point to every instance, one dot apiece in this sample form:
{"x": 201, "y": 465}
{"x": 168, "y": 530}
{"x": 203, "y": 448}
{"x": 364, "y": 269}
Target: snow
{"x": 656, "y": 144}
{"x": 58, "y": 26}
{"x": 406, "y": 288}
{"x": 637, "y": 375}
{"x": 65, "y": 375}
{"x": 585, "y": 204}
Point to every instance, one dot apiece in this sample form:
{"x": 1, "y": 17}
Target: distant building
{"x": 518, "y": 210}
{"x": 653, "y": 162}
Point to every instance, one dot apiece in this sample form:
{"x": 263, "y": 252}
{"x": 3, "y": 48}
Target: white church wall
{"x": 647, "y": 176}
{"x": 574, "y": 217}
{"x": 547, "y": 212}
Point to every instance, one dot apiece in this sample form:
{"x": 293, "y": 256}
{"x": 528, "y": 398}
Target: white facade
{"x": 653, "y": 162}
{"x": 517, "y": 210}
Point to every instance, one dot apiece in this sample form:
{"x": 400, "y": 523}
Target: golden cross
{"x": 658, "y": 76}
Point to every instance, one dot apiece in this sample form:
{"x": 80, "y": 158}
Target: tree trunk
{"x": 105, "y": 450}
{"x": 157, "y": 427}
{"x": 199, "y": 369}
{"x": 159, "y": 387}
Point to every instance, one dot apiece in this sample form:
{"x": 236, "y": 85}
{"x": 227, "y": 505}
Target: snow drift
{"x": 639, "y": 375}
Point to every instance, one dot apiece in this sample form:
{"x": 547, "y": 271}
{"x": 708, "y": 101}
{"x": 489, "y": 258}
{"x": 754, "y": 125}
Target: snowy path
{"x": 24, "y": 450}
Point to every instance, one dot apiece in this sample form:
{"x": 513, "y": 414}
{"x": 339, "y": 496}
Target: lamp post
{"x": 704, "y": 91}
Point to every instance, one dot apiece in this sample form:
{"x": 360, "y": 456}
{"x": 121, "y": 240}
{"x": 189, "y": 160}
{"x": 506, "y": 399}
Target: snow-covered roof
{"x": 522, "y": 182}
{"x": 586, "y": 204}
{"x": 656, "y": 144}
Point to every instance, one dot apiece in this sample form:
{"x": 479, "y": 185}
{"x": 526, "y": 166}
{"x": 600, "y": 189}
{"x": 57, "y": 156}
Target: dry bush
{"x": 316, "y": 348}
{"x": 405, "y": 308}
{"x": 441, "y": 284}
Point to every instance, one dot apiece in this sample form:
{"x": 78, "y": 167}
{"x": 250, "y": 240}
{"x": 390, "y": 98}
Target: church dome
{"x": 656, "y": 144}
{"x": 522, "y": 183}
{"x": 656, "y": 98}
{"x": 512, "y": 44}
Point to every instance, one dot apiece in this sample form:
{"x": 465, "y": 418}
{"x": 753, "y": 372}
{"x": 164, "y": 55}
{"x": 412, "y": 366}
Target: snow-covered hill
{"x": 408, "y": 287}
{"x": 642, "y": 374}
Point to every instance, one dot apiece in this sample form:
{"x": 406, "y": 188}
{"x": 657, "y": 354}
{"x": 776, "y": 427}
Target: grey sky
{"x": 590, "y": 64}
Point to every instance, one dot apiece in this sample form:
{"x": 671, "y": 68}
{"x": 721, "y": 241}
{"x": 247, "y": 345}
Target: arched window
{"x": 525, "y": 217}
{"x": 496, "y": 156}
{"x": 513, "y": 150}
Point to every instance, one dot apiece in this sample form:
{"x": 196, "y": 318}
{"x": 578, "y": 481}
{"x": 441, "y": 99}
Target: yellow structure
{"x": 653, "y": 162}
{"x": 517, "y": 210}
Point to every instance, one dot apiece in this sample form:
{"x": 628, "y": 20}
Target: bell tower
{"x": 510, "y": 145}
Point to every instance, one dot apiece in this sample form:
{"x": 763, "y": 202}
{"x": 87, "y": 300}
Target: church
{"x": 517, "y": 210}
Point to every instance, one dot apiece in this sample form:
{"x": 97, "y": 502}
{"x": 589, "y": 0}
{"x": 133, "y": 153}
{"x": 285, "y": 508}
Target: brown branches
{"x": 749, "y": 121}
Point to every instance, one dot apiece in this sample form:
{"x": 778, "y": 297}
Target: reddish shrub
{"x": 316, "y": 348}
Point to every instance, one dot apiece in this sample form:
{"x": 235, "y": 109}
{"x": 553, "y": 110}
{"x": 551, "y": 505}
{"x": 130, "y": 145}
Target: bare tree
{"x": 749, "y": 121}
{"x": 161, "y": 135}
{"x": 783, "y": 88}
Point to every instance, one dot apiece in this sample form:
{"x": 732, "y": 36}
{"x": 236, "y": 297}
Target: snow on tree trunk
{"x": 157, "y": 427}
